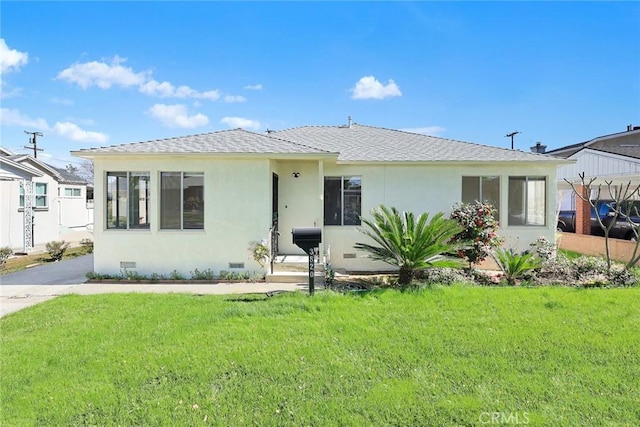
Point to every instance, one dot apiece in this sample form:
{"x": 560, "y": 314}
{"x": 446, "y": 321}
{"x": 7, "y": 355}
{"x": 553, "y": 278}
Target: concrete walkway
{"x": 17, "y": 297}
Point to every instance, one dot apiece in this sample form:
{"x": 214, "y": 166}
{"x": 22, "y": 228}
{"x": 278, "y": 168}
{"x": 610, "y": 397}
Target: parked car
{"x": 625, "y": 226}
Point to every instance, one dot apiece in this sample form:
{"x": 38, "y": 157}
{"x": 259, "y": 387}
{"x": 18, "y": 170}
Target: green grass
{"x": 442, "y": 356}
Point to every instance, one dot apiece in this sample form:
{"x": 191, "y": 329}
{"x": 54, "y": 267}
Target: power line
{"x": 511, "y": 135}
{"x": 33, "y": 141}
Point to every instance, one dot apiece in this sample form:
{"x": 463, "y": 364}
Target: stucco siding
{"x": 237, "y": 211}
{"x": 430, "y": 188}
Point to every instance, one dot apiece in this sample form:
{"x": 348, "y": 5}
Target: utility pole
{"x": 511, "y": 135}
{"x": 34, "y": 142}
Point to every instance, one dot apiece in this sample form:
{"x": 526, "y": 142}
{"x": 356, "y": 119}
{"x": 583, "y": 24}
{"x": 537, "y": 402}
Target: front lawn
{"x": 441, "y": 356}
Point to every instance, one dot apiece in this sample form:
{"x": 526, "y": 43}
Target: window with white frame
{"x": 484, "y": 189}
{"x": 182, "y": 200}
{"x": 128, "y": 200}
{"x": 72, "y": 192}
{"x": 40, "y": 196}
{"x": 342, "y": 200}
{"x": 527, "y": 200}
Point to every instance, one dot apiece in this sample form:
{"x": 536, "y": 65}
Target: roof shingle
{"x": 355, "y": 143}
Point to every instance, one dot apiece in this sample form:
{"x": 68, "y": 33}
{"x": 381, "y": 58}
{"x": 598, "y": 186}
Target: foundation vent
{"x": 236, "y": 265}
{"x": 351, "y": 255}
{"x": 127, "y": 264}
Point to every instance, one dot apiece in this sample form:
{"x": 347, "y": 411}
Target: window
{"x": 342, "y": 200}
{"x": 527, "y": 200}
{"x": 40, "y": 196}
{"x": 482, "y": 189}
{"x": 72, "y": 192}
{"x": 128, "y": 200}
{"x": 181, "y": 201}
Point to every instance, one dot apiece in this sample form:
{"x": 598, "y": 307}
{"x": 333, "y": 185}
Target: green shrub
{"x": 545, "y": 249}
{"x": 586, "y": 266}
{"x": 176, "y": 275}
{"x": 442, "y": 276}
{"x": 87, "y": 245}
{"x": 260, "y": 252}
{"x": 132, "y": 276}
{"x": 92, "y": 275}
{"x": 155, "y": 277}
{"x": 329, "y": 274}
{"x": 202, "y": 275}
{"x": 5, "y": 253}
{"x": 56, "y": 249}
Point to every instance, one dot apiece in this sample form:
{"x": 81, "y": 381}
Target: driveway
{"x": 67, "y": 272}
{"x": 35, "y": 285}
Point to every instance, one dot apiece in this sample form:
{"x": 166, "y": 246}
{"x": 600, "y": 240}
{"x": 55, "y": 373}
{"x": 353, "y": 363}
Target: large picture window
{"x": 484, "y": 189}
{"x": 527, "y": 200}
{"x": 342, "y": 200}
{"x": 128, "y": 201}
{"x": 182, "y": 200}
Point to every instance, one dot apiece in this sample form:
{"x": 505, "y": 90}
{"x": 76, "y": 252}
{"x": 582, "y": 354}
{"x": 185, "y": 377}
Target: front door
{"x": 274, "y": 216}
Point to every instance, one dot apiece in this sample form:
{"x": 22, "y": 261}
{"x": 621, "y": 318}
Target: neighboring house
{"x": 614, "y": 158}
{"x": 40, "y": 203}
{"x": 199, "y": 201}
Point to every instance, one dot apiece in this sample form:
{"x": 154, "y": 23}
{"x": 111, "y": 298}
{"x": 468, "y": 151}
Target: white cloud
{"x": 253, "y": 87}
{"x": 66, "y": 130}
{"x": 11, "y": 59}
{"x": 177, "y": 116}
{"x": 61, "y": 101}
{"x": 104, "y": 76}
{"x": 234, "y": 98}
{"x": 75, "y": 133}
{"x": 428, "y": 130}
{"x": 101, "y": 74}
{"x": 167, "y": 90}
{"x": 370, "y": 88}
{"x": 10, "y": 117}
{"x": 240, "y": 122}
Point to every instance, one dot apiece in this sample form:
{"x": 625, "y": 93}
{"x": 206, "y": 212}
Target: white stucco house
{"x": 40, "y": 203}
{"x": 198, "y": 201}
{"x": 614, "y": 158}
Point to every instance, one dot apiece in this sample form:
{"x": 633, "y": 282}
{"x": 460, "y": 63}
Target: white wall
{"x": 238, "y": 209}
{"x": 237, "y": 200}
{"x": 299, "y": 200}
{"x": 420, "y": 188}
{"x": 605, "y": 166}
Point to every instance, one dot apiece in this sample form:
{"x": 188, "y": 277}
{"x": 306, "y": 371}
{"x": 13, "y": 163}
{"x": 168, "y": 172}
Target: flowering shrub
{"x": 545, "y": 249}
{"x": 479, "y": 230}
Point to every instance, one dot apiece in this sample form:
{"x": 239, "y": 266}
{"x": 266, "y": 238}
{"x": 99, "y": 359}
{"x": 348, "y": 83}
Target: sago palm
{"x": 515, "y": 265}
{"x": 410, "y": 243}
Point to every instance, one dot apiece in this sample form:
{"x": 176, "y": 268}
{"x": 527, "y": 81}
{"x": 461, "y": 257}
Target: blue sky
{"x": 91, "y": 74}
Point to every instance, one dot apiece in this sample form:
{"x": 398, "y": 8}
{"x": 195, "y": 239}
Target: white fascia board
{"x": 25, "y": 168}
{"x": 604, "y": 154}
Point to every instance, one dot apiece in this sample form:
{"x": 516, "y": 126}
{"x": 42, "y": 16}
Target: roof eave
{"x": 265, "y": 155}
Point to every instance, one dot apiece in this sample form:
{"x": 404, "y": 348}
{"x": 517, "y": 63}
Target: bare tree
{"x": 621, "y": 196}
{"x": 86, "y": 170}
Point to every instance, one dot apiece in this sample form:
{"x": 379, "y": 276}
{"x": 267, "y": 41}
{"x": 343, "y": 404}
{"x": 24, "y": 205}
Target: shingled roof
{"x": 622, "y": 143}
{"x": 353, "y": 143}
{"x": 359, "y": 143}
{"x": 226, "y": 141}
